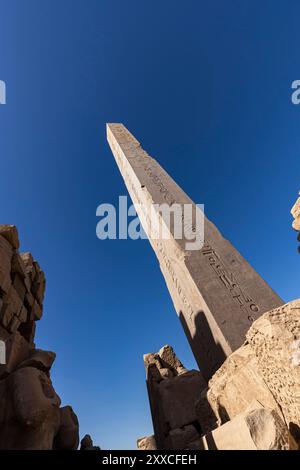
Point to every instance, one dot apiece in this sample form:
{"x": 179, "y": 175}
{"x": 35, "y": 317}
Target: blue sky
{"x": 206, "y": 87}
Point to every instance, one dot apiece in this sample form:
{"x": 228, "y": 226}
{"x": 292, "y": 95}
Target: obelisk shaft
{"x": 215, "y": 291}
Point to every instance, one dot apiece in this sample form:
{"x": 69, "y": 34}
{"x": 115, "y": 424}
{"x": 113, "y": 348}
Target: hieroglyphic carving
{"x": 213, "y": 289}
{"x": 178, "y": 287}
{"x": 228, "y": 279}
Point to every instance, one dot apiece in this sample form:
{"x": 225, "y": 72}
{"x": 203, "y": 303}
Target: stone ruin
{"x": 244, "y": 339}
{"x": 250, "y": 403}
{"x": 31, "y": 417}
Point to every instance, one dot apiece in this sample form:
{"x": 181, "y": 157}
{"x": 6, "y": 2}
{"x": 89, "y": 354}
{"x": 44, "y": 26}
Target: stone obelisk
{"x": 215, "y": 291}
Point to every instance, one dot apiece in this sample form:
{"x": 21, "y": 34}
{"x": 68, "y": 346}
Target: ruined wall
{"x": 30, "y": 412}
{"x": 251, "y": 402}
{"x": 266, "y": 369}
{"x": 173, "y": 391}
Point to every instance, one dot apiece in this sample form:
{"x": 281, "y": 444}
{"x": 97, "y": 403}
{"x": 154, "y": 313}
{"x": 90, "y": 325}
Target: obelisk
{"x": 215, "y": 291}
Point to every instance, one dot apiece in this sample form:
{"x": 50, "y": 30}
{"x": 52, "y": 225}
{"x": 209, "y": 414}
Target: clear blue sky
{"x": 205, "y": 86}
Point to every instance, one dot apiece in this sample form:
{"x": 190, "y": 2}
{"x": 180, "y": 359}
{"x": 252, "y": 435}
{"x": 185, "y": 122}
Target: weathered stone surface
{"x": 173, "y": 392}
{"x": 266, "y": 369}
{"x": 275, "y": 340}
{"x": 18, "y": 266}
{"x": 19, "y": 286}
{"x": 168, "y": 357}
{"x": 37, "y": 311}
{"x": 10, "y": 233}
{"x": 34, "y": 396}
{"x": 39, "y": 359}
{"x": 30, "y": 414}
{"x": 208, "y": 416}
{"x": 178, "y": 397}
{"x": 12, "y": 306}
{"x": 180, "y": 438}
{"x": 30, "y": 417}
{"x": 216, "y": 293}
{"x": 87, "y": 443}
{"x": 17, "y": 350}
{"x": 67, "y": 437}
{"x": 27, "y": 330}
{"x": 29, "y": 266}
{"x": 234, "y": 387}
{"x": 147, "y": 443}
{"x": 296, "y": 214}
{"x": 5, "y": 264}
{"x": 257, "y": 429}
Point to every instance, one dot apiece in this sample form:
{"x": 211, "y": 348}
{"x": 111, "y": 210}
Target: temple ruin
{"x": 245, "y": 340}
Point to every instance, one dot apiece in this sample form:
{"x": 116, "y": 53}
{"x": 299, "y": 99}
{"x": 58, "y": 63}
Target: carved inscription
{"x": 228, "y": 280}
{"x": 175, "y": 280}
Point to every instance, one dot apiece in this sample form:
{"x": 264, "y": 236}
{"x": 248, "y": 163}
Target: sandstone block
{"x": 234, "y": 387}
{"x": 27, "y": 330}
{"x": 258, "y": 429}
{"x": 173, "y": 392}
{"x": 12, "y": 305}
{"x": 295, "y": 211}
{"x": 5, "y": 264}
{"x": 178, "y": 398}
{"x": 275, "y": 340}
{"x": 19, "y": 286}
{"x": 146, "y": 443}
{"x": 67, "y": 437}
{"x": 17, "y": 349}
{"x": 34, "y": 398}
{"x": 87, "y": 443}
{"x": 39, "y": 359}
{"x": 10, "y": 233}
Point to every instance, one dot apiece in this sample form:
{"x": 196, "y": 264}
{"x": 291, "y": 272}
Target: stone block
{"x": 10, "y": 233}
{"x": 67, "y": 437}
{"x": 257, "y": 429}
{"x": 146, "y": 443}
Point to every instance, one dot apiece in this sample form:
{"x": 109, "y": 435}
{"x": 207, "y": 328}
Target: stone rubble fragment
{"x": 251, "y": 402}
{"x": 265, "y": 370}
{"x": 173, "y": 391}
{"x": 87, "y": 443}
{"x": 30, "y": 413}
{"x": 146, "y": 443}
{"x": 256, "y": 429}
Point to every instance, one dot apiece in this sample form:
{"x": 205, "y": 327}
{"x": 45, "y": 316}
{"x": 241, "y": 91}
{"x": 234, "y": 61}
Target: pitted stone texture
{"x": 234, "y": 387}
{"x": 265, "y": 369}
{"x": 10, "y": 233}
{"x": 275, "y": 341}
{"x": 256, "y": 429}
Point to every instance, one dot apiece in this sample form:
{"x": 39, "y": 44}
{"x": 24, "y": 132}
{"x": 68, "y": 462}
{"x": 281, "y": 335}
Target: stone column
{"x": 216, "y": 293}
